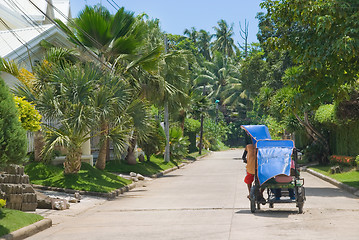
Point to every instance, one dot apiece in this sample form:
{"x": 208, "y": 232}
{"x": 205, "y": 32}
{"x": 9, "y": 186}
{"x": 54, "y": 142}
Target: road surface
{"x": 207, "y": 200}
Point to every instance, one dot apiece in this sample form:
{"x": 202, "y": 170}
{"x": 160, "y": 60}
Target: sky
{"x": 175, "y": 16}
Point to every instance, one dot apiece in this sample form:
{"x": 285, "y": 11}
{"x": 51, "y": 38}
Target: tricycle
{"x": 276, "y": 171}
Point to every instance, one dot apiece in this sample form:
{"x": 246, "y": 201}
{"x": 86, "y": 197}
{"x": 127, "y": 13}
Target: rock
{"x": 132, "y": 174}
{"x": 77, "y": 196}
{"x": 43, "y": 201}
{"x": 140, "y": 177}
{"x": 59, "y": 204}
{"x": 335, "y": 169}
{"x": 74, "y": 200}
{"x": 135, "y": 179}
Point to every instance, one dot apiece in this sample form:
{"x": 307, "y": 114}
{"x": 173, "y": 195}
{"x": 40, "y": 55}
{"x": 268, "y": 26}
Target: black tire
{"x": 300, "y": 198}
{"x": 253, "y": 200}
{"x": 300, "y": 207}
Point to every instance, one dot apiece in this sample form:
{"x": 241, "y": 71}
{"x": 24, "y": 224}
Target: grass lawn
{"x": 196, "y": 154}
{"x": 87, "y": 179}
{"x": 349, "y": 176}
{"x": 156, "y": 165}
{"x": 11, "y": 220}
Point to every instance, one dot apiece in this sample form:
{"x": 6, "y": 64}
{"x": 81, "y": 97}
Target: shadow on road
{"x": 327, "y": 192}
{"x": 170, "y": 176}
{"x": 272, "y": 213}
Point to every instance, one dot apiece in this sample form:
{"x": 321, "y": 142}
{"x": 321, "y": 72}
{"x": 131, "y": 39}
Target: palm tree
{"x": 67, "y": 98}
{"x": 224, "y": 42}
{"x": 110, "y": 98}
{"x": 192, "y": 34}
{"x": 204, "y": 42}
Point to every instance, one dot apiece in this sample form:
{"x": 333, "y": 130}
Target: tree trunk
{"x": 72, "y": 164}
{"x": 131, "y": 158}
{"x": 315, "y": 135}
{"x": 167, "y": 132}
{"x": 201, "y": 136}
{"x": 39, "y": 143}
{"x": 101, "y": 160}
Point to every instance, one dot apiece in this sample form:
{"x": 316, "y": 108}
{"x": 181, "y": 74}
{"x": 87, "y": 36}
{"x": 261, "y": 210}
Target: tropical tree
{"x": 204, "y": 44}
{"x": 67, "y": 100}
{"x": 321, "y": 37}
{"x": 192, "y": 34}
{"x": 224, "y": 42}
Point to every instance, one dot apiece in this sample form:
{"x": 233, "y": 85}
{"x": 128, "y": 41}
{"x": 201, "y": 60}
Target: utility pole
{"x": 166, "y": 119}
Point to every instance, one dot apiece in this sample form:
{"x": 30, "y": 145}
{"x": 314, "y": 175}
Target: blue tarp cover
{"x": 274, "y": 158}
{"x": 257, "y": 132}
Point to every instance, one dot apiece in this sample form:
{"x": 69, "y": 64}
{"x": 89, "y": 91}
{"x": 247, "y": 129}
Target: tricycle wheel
{"x": 253, "y": 200}
{"x": 300, "y": 207}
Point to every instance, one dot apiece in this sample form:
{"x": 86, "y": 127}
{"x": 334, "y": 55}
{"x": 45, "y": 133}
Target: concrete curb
{"x": 338, "y": 184}
{"x": 28, "y": 231}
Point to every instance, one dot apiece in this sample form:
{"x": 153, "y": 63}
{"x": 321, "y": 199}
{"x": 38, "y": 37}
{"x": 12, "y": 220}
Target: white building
{"x": 23, "y": 25}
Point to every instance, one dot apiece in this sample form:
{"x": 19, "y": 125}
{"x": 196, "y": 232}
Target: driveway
{"x": 207, "y": 200}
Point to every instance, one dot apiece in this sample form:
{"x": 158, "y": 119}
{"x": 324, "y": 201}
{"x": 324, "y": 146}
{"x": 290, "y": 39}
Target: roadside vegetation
{"x": 87, "y": 179}
{"x": 12, "y": 220}
{"x": 349, "y": 175}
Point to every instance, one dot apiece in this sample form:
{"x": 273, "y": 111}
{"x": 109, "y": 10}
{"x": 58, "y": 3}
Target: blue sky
{"x": 175, "y": 16}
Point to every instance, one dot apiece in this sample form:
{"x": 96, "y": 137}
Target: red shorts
{"x": 249, "y": 178}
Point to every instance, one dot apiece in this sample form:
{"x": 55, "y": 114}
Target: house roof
{"x": 14, "y": 43}
{"x": 21, "y": 13}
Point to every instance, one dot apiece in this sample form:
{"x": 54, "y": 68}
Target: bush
{"x": 191, "y": 129}
{"x": 178, "y": 143}
{"x": 2, "y": 203}
{"x": 342, "y": 160}
{"x": 13, "y": 140}
{"x": 30, "y": 118}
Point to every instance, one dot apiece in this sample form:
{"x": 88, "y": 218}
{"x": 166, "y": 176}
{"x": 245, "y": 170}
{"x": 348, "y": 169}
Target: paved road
{"x": 207, "y": 200}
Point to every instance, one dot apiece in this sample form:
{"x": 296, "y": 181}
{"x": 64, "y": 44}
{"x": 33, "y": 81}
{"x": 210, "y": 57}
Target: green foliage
{"x": 178, "y": 143}
{"x": 344, "y": 139}
{"x": 214, "y": 132}
{"x": 357, "y": 161}
{"x": 325, "y": 114}
{"x": 11, "y": 220}
{"x": 321, "y": 36}
{"x": 148, "y": 168}
{"x": 13, "y": 141}
{"x": 192, "y": 125}
{"x": 30, "y": 118}
{"x": 155, "y": 143}
{"x": 87, "y": 179}
{"x": 276, "y": 129}
{"x": 348, "y": 177}
{"x": 192, "y": 128}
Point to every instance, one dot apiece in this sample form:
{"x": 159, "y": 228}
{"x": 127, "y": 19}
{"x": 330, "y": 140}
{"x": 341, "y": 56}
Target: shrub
{"x": 357, "y": 161}
{"x": 13, "y": 141}
{"x": 2, "y": 203}
{"x": 342, "y": 160}
{"x": 29, "y": 117}
{"x": 178, "y": 143}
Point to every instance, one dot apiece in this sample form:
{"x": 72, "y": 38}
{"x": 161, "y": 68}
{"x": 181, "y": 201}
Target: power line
{"x": 74, "y": 39}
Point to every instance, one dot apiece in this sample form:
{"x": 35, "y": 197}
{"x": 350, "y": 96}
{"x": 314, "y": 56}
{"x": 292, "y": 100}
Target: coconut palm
{"x": 203, "y": 43}
{"x": 224, "y": 42}
{"x": 192, "y": 34}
